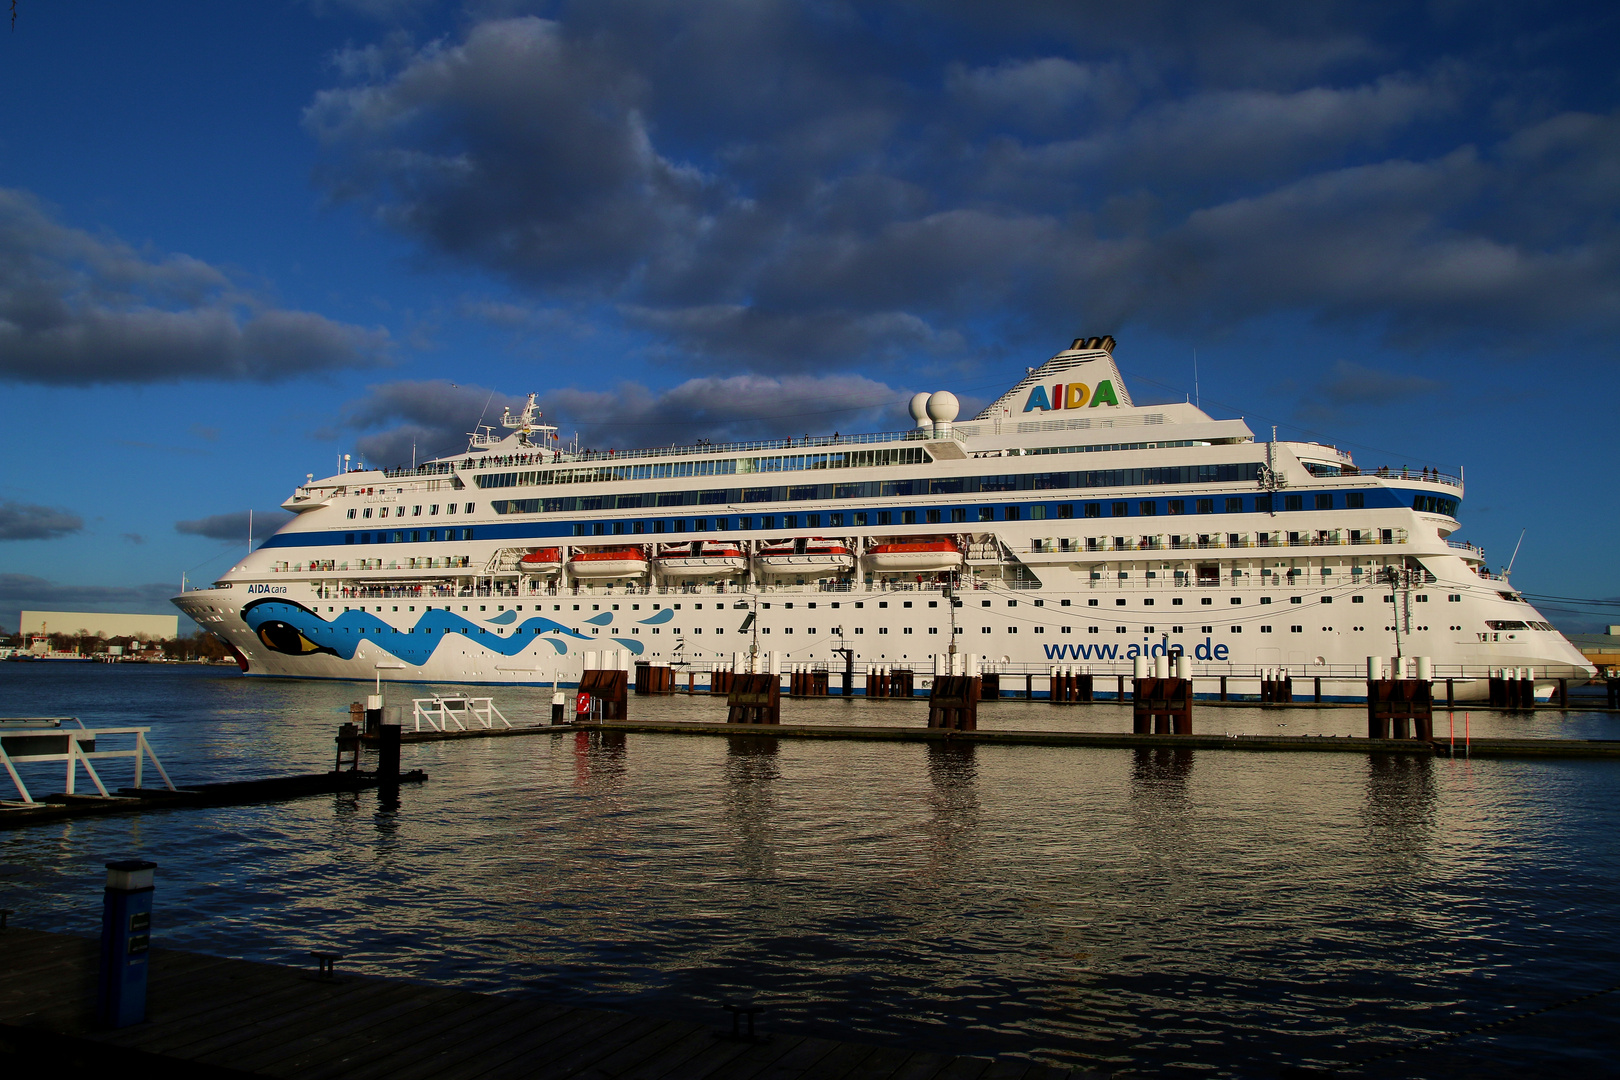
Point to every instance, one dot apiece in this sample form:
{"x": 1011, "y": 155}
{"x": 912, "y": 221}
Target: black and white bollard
{"x": 126, "y": 941}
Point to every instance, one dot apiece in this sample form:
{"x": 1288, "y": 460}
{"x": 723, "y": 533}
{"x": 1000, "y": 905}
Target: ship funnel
{"x": 919, "y": 409}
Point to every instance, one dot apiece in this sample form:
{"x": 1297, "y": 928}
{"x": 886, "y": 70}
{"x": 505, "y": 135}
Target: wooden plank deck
{"x": 1320, "y": 744}
{"x": 16, "y": 815}
{"x": 212, "y": 1017}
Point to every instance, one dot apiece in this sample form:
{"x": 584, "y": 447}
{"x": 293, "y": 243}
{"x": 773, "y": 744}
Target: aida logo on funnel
{"x": 1071, "y": 396}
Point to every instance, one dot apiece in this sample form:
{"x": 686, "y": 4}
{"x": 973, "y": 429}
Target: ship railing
{"x": 484, "y": 460}
{"x": 40, "y": 739}
{"x": 1406, "y": 472}
{"x": 439, "y": 713}
{"x": 1092, "y": 545}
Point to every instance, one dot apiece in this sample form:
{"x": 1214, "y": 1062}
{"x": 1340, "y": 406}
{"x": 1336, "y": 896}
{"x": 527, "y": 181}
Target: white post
{"x": 1161, "y": 666}
{"x": 776, "y": 663}
{"x": 1372, "y": 667}
{"x": 590, "y": 660}
{"x": 973, "y": 665}
{"x": 1183, "y": 666}
{"x": 1139, "y": 668}
{"x": 1425, "y": 669}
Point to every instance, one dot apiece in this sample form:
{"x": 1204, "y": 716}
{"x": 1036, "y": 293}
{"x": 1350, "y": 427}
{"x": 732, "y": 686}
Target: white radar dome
{"x": 919, "y": 408}
{"x": 943, "y": 407}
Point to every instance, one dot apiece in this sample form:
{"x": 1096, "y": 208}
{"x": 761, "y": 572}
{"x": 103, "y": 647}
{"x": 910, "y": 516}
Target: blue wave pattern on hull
{"x": 291, "y": 629}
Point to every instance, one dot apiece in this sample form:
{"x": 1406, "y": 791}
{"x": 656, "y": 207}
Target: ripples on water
{"x": 1155, "y": 912}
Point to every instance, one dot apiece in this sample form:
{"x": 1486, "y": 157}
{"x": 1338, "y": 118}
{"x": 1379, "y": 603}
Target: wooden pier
{"x": 1337, "y": 744}
{"x": 212, "y": 1017}
{"x": 14, "y": 815}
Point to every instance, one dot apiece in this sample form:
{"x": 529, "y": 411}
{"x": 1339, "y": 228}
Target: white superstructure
{"x": 1062, "y": 526}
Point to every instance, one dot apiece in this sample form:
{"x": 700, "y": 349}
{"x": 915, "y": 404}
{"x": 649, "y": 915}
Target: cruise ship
{"x": 1062, "y": 527}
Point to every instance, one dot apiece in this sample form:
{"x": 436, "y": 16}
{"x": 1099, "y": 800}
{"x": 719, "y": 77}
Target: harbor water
{"x": 1148, "y": 913}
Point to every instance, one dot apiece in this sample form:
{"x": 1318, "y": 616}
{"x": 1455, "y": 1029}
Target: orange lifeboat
{"x": 923, "y": 555}
{"x": 701, "y": 559}
{"x": 805, "y": 557}
{"x": 542, "y": 561}
{"x": 609, "y": 563}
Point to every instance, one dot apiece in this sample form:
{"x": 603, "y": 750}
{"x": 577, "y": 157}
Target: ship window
{"x": 1206, "y": 506}
{"x": 1176, "y": 602}
{"x": 1324, "y": 502}
{"x": 933, "y": 517}
{"x": 365, "y": 538}
{"x": 1265, "y": 599}
{"x": 416, "y": 511}
{"x": 1453, "y": 598}
{"x": 1355, "y": 500}
{"x": 984, "y": 603}
{"x": 368, "y": 512}
{"x": 835, "y": 520}
{"x": 1012, "y": 629}
{"x": 1293, "y": 502}
{"x": 1120, "y": 602}
{"x": 434, "y": 509}
{"x": 812, "y": 521}
{"x": 1093, "y": 510}
{"x": 1206, "y": 629}
{"x": 351, "y": 513}
{"x": 466, "y": 534}
{"x": 1237, "y": 600}
{"x": 1147, "y": 508}
{"x": 1091, "y": 603}
{"x": 1296, "y": 629}
{"x": 987, "y": 513}
{"x": 1121, "y": 509}
{"x": 1327, "y": 599}
{"x": 1358, "y": 599}
{"x": 348, "y": 538}
{"x": 959, "y": 514}
{"x": 1119, "y": 629}
{"x": 1265, "y": 629}
{"x": 1011, "y": 514}
{"x": 1262, "y": 504}
{"x": 1178, "y": 506}
{"x": 1237, "y": 629}
{"x": 860, "y": 519}
{"x": 1234, "y": 505}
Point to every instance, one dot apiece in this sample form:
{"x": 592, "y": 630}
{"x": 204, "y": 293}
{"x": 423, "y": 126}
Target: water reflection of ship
{"x": 953, "y": 799}
{"x": 1161, "y": 770}
{"x": 752, "y": 770}
{"x": 1400, "y": 805}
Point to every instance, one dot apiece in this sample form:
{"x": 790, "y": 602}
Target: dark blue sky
{"x": 238, "y": 241}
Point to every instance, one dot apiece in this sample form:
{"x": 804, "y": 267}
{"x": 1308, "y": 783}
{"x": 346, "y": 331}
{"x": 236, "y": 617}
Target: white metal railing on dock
{"x": 40, "y": 739}
{"x": 439, "y": 713}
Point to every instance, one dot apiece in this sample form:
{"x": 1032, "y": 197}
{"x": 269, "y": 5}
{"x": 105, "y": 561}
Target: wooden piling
{"x": 654, "y": 680}
{"x": 1161, "y": 706}
{"x": 1400, "y": 709}
{"x": 953, "y": 702}
{"x": 754, "y": 699}
{"x": 608, "y": 690}
{"x": 1071, "y": 689}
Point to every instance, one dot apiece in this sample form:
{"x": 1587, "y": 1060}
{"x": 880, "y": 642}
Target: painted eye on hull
{"x": 286, "y": 638}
